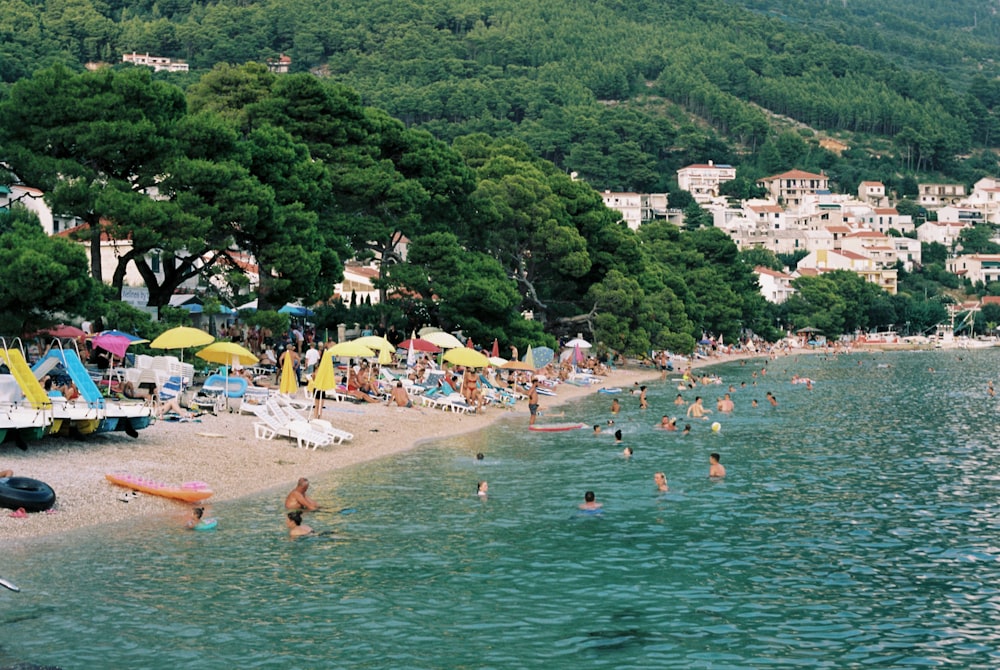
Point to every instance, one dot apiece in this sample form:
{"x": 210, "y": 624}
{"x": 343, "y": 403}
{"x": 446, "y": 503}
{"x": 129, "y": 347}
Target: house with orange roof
{"x": 976, "y": 268}
{"x": 775, "y": 286}
{"x": 792, "y": 187}
{"x": 985, "y": 197}
{"x": 703, "y": 180}
{"x": 827, "y": 260}
{"x": 872, "y": 192}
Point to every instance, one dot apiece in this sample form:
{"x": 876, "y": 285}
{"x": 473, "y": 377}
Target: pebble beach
{"x": 222, "y": 451}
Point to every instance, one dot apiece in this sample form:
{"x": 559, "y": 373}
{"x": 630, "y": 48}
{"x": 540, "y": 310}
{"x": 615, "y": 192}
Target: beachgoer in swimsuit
{"x": 533, "y": 401}
{"x": 295, "y": 526}
{"x": 297, "y": 498}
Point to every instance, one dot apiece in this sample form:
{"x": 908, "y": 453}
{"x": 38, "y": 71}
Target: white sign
{"x": 137, "y": 296}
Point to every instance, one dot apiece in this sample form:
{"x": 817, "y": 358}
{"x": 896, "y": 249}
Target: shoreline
{"x": 223, "y": 451}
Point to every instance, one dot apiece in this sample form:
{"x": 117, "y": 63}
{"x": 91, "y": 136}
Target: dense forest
{"x": 457, "y": 125}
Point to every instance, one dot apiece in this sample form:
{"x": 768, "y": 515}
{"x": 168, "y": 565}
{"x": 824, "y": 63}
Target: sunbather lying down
{"x": 173, "y": 406}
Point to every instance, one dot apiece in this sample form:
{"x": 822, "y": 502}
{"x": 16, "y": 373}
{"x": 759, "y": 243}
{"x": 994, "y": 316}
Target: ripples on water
{"x": 857, "y": 526}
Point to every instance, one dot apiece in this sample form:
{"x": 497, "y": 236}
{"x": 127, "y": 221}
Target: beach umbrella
{"x": 116, "y": 344}
{"x": 496, "y": 361}
{"x": 469, "y": 358}
{"x": 542, "y": 356}
{"x": 442, "y": 339}
{"x": 325, "y": 377}
{"x": 495, "y": 351}
{"x": 228, "y": 354}
{"x": 517, "y": 365}
{"x": 578, "y": 342}
{"x": 181, "y": 337}
{"x": 418, "y": 344}
{"x": 133, "y": 339}
{"x": 351, "y": 349}
{"x": 63, "y": 331}
{"x": 380, "y": 344}
{"x": 529, "y": 358}
{"x": 577, "y": 355}
{"x": 288, "y": 384}
{"x": 411, "y": 358}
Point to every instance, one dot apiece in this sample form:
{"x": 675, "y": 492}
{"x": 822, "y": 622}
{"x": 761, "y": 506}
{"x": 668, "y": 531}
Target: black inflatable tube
{"x": 31, "y": 494}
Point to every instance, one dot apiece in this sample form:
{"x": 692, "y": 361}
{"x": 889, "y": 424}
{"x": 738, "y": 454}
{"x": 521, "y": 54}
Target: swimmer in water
{"x": 715, "y": 469}
{"x": 661, "y": 482}
{"x": 482, "y": 488}
{"x": 590, "y": 502}
{"x": 295, "y": 526}
{"x": 627, "y": 452}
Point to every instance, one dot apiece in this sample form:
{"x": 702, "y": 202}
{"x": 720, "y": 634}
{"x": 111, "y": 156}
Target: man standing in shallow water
{"x": 533, "y": 401}
{"x": 297, "y": 498}
{"x": 715, "y": 468}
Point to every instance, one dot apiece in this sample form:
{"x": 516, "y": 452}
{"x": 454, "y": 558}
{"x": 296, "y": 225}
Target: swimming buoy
{"x": 31, "y": 494}
{"x": 206, "y": 524}
{"x": 610, "y": 390}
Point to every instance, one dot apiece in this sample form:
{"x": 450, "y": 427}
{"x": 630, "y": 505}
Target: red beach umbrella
{"x": 495, "y": 353}
{"x": 419, "y": 345}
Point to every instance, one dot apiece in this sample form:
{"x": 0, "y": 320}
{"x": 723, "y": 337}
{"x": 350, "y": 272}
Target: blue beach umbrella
{"x": 543, "y": 356}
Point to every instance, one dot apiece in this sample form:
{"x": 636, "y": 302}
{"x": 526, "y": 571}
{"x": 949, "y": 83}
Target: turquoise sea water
{"x": 858, "y": 526}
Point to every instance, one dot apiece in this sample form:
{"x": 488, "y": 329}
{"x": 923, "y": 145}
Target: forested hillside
{"x": 616, "y": 91}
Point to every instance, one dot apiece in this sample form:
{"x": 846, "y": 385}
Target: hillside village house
{"x": 824, "y": 260}
{"x": 776, "y": 287}
{"x": 933, "y": 196}
{"x": 960, "y": 214}
{"x": 883, "y": 219}
{"x": 976, "y": 268}
{"x": 885, "y": 251}
{"x": 985, "y": 197}
{"x": 158, "y": 63}
{"x": 703, "y": 180}
{"x": 792, "y": 187}
{"x": 942, "y": 232}
{"x": 628, "y": 204}
{"x": 872, "y": 192}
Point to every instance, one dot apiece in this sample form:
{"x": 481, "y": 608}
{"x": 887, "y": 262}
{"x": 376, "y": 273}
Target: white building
{"x": 775, "y": 286}
{"x": 825, "y": 260}
{"x": 976, "y": 268}
{"x": 933, "y": 196}
{"x": 793, "y": 187}
{"x": 942, "y": 232}
{"x": 703, "y": 181}
{"x": 629, "y": 205}
{"x": 985, "y": 197}
{"x": 158, "y": 63}
{"x": 872, "y": 192}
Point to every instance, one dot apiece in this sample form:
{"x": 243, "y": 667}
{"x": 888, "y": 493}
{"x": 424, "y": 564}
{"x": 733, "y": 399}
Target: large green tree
{"x": 40, "y": 276}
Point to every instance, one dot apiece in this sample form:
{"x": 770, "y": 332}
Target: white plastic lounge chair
{"x": 280, "y": 407}
{"x": 253, "y": 396}
{"x": 271, "y": 424}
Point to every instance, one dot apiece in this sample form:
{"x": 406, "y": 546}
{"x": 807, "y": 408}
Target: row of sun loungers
{"x": 276, "y": 417}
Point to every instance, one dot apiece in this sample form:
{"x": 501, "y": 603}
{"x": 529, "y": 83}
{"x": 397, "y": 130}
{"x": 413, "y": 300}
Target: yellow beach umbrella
{"x": 352, "y": 349}
{"x": 468, "y": 357}
{"x": 226, "y": 353}
{"x": 288, "y": 384}
{"x": 529, "y": 358}
{"x": 379, "y": 344}
{"x": 181, "y": 337}
{"x": 325, "y": 377}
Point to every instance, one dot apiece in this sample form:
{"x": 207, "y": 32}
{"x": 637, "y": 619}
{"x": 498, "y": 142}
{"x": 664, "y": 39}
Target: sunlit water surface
{"x": 858, "y": 526}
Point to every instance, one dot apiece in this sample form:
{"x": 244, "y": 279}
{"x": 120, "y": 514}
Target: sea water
{"x": 858, "y": 526}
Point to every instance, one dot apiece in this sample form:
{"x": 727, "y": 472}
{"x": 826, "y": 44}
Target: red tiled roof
{"x": 795, "y": 174}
